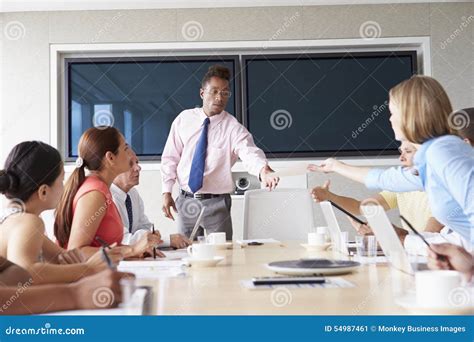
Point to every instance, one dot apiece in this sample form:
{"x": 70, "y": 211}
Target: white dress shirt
{"x": 415, "y": 245}
{"x": 227, "y": 141}
{"x": 141, "y": 223}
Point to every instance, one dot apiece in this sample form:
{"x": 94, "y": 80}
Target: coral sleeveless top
{"x": 110, "y": 228}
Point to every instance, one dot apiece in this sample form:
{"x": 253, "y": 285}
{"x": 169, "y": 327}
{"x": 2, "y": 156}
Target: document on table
{"x": 331, "y": 283}
{"x": 151, "y": 268}
{"x": 296, "y": 169}
{"x": 176, "y": 254}
{"x": 134, "y": 308}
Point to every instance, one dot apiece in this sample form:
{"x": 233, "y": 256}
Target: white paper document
{"x": 296, "y": 169}
{"x": 151, "y": 268}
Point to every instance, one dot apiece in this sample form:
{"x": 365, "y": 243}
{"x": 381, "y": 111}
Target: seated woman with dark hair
{"x": 33, "y": 182}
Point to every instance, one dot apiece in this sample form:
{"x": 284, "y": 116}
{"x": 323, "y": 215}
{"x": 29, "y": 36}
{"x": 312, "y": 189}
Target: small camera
{"x": 241, "y": 185}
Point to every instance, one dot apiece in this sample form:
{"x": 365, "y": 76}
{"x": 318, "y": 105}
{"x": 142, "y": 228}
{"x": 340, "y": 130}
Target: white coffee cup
{"x": 322, "y": 230}
{"x": 436, "y": 288}
{"x": 316, "y": 239}
{"x": 216, "y": 238}
{"x": 202, "y": 251}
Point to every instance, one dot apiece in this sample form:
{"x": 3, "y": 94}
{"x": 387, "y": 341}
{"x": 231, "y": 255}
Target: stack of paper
{"x": 151, "y": 268}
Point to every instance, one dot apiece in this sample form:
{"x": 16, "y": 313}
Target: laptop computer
{"x": 196, "y": 226}
{"x": 334, "y": 228}
{"x": 387, "y": 238}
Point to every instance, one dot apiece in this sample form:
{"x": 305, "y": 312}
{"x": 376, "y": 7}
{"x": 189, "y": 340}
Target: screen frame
{"x": 69, "y": 61}
{"x": 322, "y": 153}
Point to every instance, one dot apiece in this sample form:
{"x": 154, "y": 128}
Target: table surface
{"x": 218, "y": 290}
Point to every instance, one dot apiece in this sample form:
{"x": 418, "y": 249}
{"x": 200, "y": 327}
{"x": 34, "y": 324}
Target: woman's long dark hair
{"x": 95, "y": 142}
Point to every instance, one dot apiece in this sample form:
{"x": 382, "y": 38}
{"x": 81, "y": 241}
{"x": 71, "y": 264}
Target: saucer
{"x": 316, "y": 248}
{"x": 408, "y": 302}
{"x": 225, "y": 245}
{"x": 313, "y": 266}
{"x": 203, "y": 262}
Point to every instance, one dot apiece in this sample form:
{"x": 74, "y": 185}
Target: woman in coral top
{"x": 87, "y": 214}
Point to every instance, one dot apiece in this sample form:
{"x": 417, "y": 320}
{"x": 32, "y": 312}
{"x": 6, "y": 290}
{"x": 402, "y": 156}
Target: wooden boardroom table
{"x": 218, "y": 290}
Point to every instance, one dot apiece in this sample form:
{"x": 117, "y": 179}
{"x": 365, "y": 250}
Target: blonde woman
{"x": 444, "y": 163}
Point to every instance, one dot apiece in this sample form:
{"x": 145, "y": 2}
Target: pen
{"x": 438, "y": 256}
{"x": 154, "y": 248}
{"x": 107, "y": 259}
{"x": 102, "y": 242}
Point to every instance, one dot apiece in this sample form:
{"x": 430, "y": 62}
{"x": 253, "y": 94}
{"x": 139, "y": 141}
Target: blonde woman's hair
{"x": 425, "y": 108}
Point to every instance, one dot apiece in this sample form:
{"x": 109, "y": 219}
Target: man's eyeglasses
{"x": 215, "y": 93}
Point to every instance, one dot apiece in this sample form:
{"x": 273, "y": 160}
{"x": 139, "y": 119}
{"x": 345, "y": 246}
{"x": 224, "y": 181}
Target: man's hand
{"x": 179, "y": 241}
{"x": 401, "y": 233}
{"x": 321, "y": 193}
{"x": 361, "y": 229}
{"x": 146, "y": 244}
{"x": 457, "y": 258}
{"x": 267, "y": 179}
{"x": 168, "y": 203}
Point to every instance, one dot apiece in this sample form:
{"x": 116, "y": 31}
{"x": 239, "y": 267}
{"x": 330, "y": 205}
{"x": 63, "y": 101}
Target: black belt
{"x": 199, "y": 196}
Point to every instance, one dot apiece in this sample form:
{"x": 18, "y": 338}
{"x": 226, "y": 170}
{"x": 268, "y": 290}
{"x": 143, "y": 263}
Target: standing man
{"x": 132, "y": 210}
{"x": 202, "y": 146}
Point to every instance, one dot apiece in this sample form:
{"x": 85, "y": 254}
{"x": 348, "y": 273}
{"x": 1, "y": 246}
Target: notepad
{"x": 134, "y": 308}
{"x": 151, "y": 269}
{"x": 177, "y": 254}
{"x": 150, "y": 263}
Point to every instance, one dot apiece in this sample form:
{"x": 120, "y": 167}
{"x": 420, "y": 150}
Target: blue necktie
{"x": 199, "y": 160}
{"x": 128, "y": 205}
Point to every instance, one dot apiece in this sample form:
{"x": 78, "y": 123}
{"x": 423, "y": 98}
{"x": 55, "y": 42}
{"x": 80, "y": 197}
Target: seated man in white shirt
{"x": 132, "y": 211}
